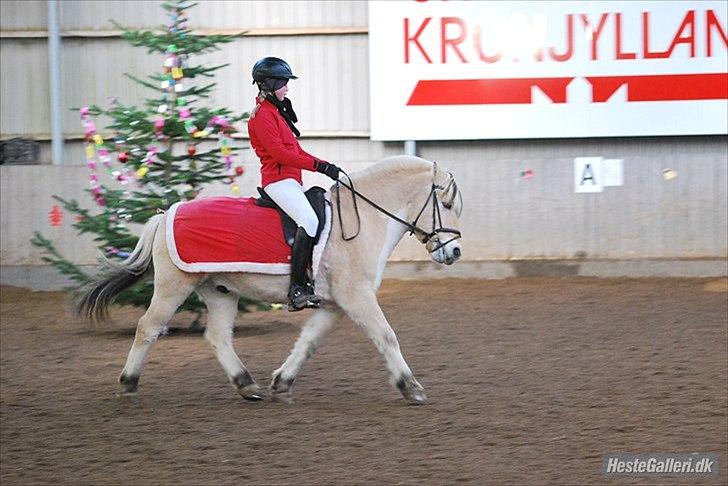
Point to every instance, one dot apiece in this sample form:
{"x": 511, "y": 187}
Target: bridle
{"x": 431, "y": 239}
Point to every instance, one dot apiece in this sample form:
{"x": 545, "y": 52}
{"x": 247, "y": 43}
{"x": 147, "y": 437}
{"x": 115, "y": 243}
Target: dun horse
{"x": 397, "y": 195}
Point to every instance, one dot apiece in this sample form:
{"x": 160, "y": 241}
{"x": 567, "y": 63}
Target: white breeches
{"x": 289, "y": 195}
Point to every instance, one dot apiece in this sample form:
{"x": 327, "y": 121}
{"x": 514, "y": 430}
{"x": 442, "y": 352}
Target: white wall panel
{"x": 23, "y": 15}
{"x": 331, "y": 94}
{"x": 24, "y": 92}
{"x": 86, "y": 15}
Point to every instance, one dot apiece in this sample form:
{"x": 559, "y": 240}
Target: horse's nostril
{"x": 456, "y": 253}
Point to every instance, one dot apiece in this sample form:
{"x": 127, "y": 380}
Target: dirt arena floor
{"x": 530, "y": 381}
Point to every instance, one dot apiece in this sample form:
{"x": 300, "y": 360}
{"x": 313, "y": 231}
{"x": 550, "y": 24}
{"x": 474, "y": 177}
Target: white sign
{"x": 447, "y": 70}
{"x": 612, "y": 172}
{"x": 588, "y": 174}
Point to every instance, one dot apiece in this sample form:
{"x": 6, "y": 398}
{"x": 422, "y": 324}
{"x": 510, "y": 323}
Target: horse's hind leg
{"x": 165, "y": 301}
{"x": 306, "y": 345}
{"x": 222, "y": 309}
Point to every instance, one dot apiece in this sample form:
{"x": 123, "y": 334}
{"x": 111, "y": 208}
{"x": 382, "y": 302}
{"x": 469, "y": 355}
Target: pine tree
{"x": 156, "y": 147}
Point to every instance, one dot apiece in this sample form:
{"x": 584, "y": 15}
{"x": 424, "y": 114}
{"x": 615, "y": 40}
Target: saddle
{"x": 315, "y": 196}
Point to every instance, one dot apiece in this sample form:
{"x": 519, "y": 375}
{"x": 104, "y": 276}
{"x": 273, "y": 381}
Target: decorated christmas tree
{"x": 158, "y": 162}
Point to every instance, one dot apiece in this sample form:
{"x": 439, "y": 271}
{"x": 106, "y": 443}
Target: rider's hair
{"x": 258, "y": 100}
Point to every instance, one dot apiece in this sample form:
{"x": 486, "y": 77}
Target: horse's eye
{"x": 447, "y": 206}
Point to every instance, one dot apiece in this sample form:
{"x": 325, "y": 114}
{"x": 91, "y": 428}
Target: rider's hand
{"x": 328, "y": 168}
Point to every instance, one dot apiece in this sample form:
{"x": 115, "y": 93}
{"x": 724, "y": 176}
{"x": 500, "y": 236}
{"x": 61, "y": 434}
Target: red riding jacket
{"x": 280, "y": 155}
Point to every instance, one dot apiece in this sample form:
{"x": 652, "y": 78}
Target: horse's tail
{"x": 114, "y": 278}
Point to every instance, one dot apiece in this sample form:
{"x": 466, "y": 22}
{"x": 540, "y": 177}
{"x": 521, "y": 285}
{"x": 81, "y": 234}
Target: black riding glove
{"x": 328, "y": 168}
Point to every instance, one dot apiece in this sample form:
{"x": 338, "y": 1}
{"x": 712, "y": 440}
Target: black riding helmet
{"x": 270, "y": 73}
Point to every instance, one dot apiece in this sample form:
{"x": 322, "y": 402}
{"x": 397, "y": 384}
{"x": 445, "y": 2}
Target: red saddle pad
{"x": 226, "y": 234}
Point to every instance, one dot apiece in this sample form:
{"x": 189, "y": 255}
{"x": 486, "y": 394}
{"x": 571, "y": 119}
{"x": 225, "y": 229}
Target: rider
{"x": 273, "y": 137}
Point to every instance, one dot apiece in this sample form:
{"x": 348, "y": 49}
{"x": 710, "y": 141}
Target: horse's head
{"x": 446, "y": 205}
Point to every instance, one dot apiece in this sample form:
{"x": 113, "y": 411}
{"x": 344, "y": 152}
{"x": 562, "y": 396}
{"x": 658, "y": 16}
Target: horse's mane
{"x": 398, "y": 165}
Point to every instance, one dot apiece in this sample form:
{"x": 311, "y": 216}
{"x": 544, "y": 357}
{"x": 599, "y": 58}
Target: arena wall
{"x": 508, "y": 218}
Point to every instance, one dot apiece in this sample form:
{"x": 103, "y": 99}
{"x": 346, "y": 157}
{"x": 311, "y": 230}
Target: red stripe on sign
{"x": 486, "y": 91}
{"x": 662, "y": 87}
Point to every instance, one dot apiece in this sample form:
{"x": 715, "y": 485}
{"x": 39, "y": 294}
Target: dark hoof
{"x": 247, "y": 387}
{"x": 280, "y": 389}
{"x": 252, "y": 393}
{"x": 129, "y": 383}
{"x": 412, "y": 390}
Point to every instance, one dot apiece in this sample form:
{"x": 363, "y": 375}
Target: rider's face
{"x": 281, "y": 92}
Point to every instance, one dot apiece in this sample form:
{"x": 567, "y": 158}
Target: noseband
{"x": 431, "y": 239}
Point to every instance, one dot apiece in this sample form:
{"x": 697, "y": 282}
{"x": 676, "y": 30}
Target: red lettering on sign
{"x": 483, "y": 57}
{"x": 569, "y": 43}
{"x": 713, "y": 22}
{"x": 680, "y": 38}
{"x": 408, "y": 39}
{"x": 646, "y": 53}
{"x": 446, "y": 41}
{"x": 618, "y": 39}
{"x": 594, "y": 37}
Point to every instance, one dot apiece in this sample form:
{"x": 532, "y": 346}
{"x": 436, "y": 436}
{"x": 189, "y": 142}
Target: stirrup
{"x": 300, "y": 298}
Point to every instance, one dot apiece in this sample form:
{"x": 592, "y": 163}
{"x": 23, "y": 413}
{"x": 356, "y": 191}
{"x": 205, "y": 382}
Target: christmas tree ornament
{"x": 162, "y": 109}
{"x": 123, "y": 157}
{"x": 142, "y": 171}
{"x": 200, "y": 133}
{"x": 239, "y": 170}
{"x": 178, "y": 88}
{"x": 55, "y": 216}
{"x": 191, "y": 150}
{"x": 236, "y": 189}
{"x": 185, "y": 113}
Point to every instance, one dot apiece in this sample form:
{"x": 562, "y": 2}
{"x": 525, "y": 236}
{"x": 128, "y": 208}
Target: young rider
{"x": 273, "y": 137}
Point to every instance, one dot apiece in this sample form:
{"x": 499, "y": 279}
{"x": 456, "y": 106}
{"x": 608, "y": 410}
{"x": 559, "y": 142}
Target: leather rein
{"x": 431, "y": 239}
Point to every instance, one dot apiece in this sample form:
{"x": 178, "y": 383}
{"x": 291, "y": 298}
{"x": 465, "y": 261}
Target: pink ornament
{"x": 184, "y": 113}
{"x": 84, "y": 111}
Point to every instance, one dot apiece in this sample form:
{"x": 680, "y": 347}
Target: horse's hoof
{"x": 280, "y": 389}
{"x": 412, "y": 390}
{"x": 416, "y": 398}
{"x": 251, "y": 393}
{"x": 130, "y": 384}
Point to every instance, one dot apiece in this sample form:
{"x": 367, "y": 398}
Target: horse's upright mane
{"x": 395, "y": 166}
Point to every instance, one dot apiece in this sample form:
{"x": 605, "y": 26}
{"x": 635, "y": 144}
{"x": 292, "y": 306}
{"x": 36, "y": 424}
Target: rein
{"x": 424, "y": 236}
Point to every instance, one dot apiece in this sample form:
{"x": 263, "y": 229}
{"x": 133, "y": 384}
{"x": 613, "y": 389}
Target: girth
{"x": 315, "y": 196}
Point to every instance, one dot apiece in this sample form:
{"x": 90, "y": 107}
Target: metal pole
{"x": 54, "y": 73}
{"x": 410, "y": 147}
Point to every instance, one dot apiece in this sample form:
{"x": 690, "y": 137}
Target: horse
{"x": 397, "y": 191}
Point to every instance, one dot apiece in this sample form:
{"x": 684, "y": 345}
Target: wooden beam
{"x": 267, "y": 32}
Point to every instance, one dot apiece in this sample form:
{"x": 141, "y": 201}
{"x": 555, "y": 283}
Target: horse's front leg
{"x": 308, "y": 342}
{"x": 365, "y": 311}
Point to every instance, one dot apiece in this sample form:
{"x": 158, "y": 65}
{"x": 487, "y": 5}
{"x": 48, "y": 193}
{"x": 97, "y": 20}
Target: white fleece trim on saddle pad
{"x": 248, "y": 267}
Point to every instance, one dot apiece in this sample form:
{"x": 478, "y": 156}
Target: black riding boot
{"x": 301, "y": 295}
